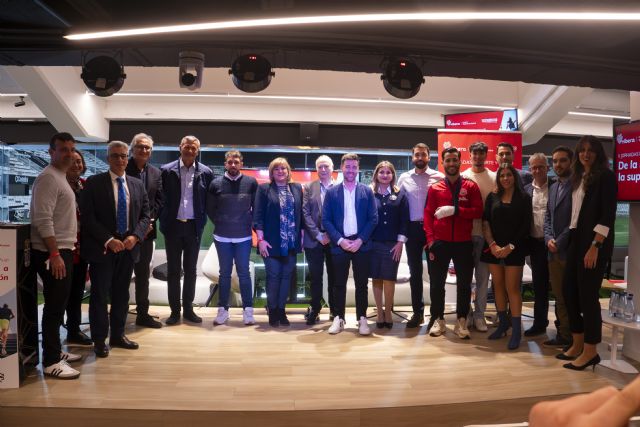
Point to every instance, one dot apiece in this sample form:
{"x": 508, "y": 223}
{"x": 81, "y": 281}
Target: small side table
{"x": 614, "y": 363}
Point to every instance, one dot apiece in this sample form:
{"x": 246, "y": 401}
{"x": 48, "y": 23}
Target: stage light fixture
{"x": 103, "y": 75}
{"x": 402, "y": 78}
{"x": 20, "y": 103}
{"x": 251, "y": 73}
{"x": 191, "y": 69}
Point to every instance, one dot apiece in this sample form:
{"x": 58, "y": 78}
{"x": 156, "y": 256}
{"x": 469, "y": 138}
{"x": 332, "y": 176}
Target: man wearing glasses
{"x": 139, "y": 167}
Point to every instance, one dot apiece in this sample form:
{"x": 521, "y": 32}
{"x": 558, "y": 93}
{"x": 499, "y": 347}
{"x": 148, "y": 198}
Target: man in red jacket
{"x": 452, "y": 205}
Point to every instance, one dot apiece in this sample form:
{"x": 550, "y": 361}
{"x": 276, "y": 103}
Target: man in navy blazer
{"x": 349, "y": 215}
{"x": 115, "y": 220}
{"x": 556, "y": 237}
{"x": 182, "y": 220}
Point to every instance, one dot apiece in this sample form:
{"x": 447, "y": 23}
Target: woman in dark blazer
{"x": 388, "y": 239}
{"x": 590, "y": 247}
{"x": 277, "y": 220}
{"x": 506, "y": 225}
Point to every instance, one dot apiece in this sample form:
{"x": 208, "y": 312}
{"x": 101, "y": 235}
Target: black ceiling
{"x": 601, "y": 55}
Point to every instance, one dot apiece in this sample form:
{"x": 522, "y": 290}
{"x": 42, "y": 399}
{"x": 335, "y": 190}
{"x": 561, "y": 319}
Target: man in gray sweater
{"x": 230, "y": 208}
{"x": 53, "y": 233}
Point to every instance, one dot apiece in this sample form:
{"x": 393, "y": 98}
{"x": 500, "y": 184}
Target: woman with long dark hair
{"x": 591, "y": 235}
{"x": 506, "y": 225}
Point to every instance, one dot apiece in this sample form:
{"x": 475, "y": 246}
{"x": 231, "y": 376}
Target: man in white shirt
{"x": 486, "y": 181}
{"x": 53, "y": 234}
{"x": 349, "y": 215}
{"x": 416, "y": 183}
{"x": 539, "y": 192}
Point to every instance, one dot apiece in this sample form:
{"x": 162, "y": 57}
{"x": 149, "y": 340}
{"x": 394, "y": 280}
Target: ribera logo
{"x": 620, "y": 139}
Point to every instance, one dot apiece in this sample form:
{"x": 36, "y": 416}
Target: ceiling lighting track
{"x": 605, "y": 116}
{"x": 379, "y": 17}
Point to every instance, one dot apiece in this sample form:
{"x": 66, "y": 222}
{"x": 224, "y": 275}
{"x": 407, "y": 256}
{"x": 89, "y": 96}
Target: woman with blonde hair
{"x": 277, "y": 220}
{"x": 388, "y": 238}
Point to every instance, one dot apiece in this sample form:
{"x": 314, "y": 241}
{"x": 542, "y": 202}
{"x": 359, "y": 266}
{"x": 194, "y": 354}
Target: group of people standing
{"x": 485, "y": 222}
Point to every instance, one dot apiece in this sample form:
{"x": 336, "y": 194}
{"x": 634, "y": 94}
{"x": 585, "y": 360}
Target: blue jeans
{"x": 279, "y": 270}
{"x": 228, "y": 253}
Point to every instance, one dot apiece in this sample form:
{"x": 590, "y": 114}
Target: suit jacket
{"x": 172, "y": 194}
{"x": 266, "y": 213}
{"x": 557, "y": 219}
{"x": 333, "y": 215}
{"x": 312, "y": 213}
{"x": 154, "y": 191}
{"x": 598, "y": 207}
{"x": 98, "y": 210}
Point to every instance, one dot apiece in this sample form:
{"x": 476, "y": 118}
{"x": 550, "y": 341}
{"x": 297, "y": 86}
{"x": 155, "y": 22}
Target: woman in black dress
{"x": 388, "y": 238}
{"x": 506, "y": 225}
{"x": 591, "y": 235}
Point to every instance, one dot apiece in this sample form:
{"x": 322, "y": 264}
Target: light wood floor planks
{"x": 245, "y": 375}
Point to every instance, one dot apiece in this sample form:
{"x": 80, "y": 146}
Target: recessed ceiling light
{"x": 374, "y": 17}
{"x": 606, "y": 116}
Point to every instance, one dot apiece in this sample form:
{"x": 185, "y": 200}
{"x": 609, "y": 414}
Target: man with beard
{"x": 416, "y": 184}
{"x": 486, "y": 181}
{"x": 349, "y": 215}
{"x": 556, "y": 237}
{"x": 230, "y": 203}
{"x": 316, "y": 240}
{"x": 504, "y": 154}
{"x": 452, "y": 205}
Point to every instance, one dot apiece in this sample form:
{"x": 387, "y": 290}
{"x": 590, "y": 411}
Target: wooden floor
{"x": 188, "y": 374}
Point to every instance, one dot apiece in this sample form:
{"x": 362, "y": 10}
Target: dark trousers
{"x": 540, "y": 275}
{"x": 279, "y": 270}
{"x": 109, "y": 279}
{"x": 74, "y": 305}
{"x": 415, "y": 249}
{"x": 182, "y": 248}
{"x": 360, "y": 262}
{"x": 56, "y": 295}
{"x": 141, "y": 270}
{"x": 316, "y": 259}
{"x": 441, "y": 254}
{"x": 581, "y": 289}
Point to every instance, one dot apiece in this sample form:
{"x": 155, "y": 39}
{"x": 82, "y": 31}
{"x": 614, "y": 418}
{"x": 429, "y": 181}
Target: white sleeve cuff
{"x": 402, "y": 238}
{"x": 340, "y": 240}
{"x": 107, "y": 242}
{"x": 319, "y": 236}
{"x": 601, "y": 229}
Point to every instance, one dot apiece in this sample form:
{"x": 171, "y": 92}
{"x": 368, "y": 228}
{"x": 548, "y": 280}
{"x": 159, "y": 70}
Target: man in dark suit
{"x": 556, "y": 237}
{"x": 316, "y": 240}
{"x": 504, "y": 154}
{"x": 139, "y": 167}
{"x": 538, "y": 190}
{"x": 349, "y": 215}
{"x": 115, "y": 219}
{"x": 182, "y": 220}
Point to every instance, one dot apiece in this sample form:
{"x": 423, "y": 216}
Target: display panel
{"x": 627, "y": 161}
{"x": 486, "y": 120}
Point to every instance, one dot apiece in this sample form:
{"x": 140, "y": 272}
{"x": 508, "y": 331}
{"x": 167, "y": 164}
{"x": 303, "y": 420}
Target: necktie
{"x": 121, "y": 215}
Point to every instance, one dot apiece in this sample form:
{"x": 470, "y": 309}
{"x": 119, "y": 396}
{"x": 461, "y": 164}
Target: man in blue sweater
{"x": 230, "y": 208}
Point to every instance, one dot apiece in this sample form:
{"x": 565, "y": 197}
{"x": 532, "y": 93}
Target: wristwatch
{"x": 597, "y": 244}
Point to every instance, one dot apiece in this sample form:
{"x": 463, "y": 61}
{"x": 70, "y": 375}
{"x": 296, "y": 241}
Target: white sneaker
{"x": 247, "y": 316}
{"x": 61, "y": 370}
{"x": 480, "y": 324}
{"x": 222, "y": 316}
{"x": 70, "y": 357}
{"x": 438, "y": 328}
{"x": 337, "y": 326}
{"x": 461, "y": 329}
{"x": 363, "y": 326}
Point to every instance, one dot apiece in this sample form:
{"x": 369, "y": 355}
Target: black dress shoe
{"x": 173, "y": 319}
{"x": 593, "y": 362}
{"x": 535, "y": 331}
{"x": 416, "y": 320}
{"x": 312, "y": 317}
{"x": 562, "y": 356}
{"x": 557, "y": 342}
{"x": 147, "y": 321}
{"x": 101, "y": 349}
{"x": 79, "y": 338}
{"x": 388, "y": 325}
{"x": 284, "y": 321}
{"x": 274, "y": 318}
{"x": 123, "y": 342}
{"x": 380, "y": 325}
{"x": 192, "y": 317}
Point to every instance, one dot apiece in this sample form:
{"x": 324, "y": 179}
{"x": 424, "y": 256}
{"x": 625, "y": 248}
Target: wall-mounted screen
{"x": 627, "y": 161}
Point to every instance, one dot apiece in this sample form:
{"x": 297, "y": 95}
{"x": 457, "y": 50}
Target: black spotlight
{"x": 402, "y": 78}
{"x": 103, "y": 75}
{"x": 251, "y": 73}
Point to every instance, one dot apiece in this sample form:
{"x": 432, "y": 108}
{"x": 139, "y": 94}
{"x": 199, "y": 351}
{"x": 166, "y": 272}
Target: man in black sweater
{"x": 230, "y": 208}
